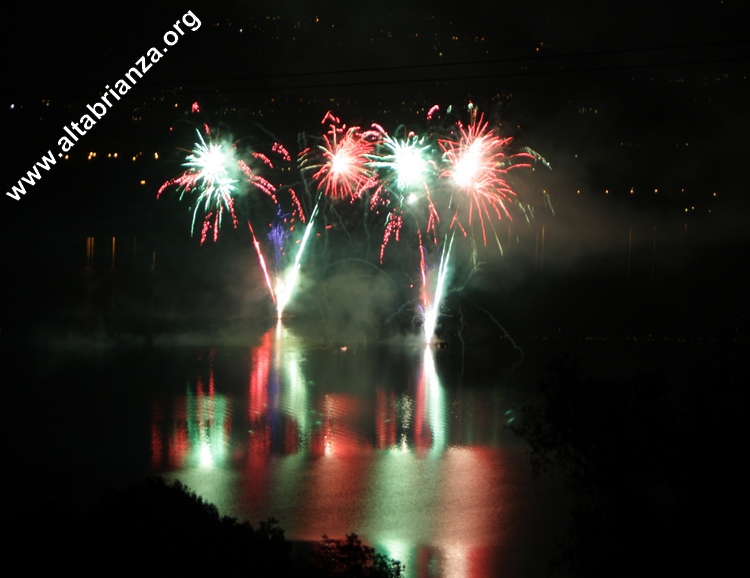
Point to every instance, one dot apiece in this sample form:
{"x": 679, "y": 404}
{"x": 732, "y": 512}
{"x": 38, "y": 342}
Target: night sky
{"x": 616, "y": 97}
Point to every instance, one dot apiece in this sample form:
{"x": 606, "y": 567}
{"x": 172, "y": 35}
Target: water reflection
{"x": 198, "y": 433}
{"x": 333, "y": 441}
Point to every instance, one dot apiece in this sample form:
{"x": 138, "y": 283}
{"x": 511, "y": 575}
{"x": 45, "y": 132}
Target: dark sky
{"x": 59, "y": 45}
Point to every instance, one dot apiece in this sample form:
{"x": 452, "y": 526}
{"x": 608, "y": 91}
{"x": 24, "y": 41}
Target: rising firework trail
{"x": 262, "y": 261}
{"x": 288, "y": 282}
{"x": 432, "y": 308}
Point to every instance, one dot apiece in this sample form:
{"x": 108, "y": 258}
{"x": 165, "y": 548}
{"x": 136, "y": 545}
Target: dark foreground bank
{"x": 153, "y": 527}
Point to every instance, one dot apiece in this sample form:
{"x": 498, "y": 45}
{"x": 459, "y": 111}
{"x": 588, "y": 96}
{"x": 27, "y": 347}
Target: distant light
{"x": 12, "y": 106}
{"x": 143, "y": 182}
{"x": 156, "y": 156}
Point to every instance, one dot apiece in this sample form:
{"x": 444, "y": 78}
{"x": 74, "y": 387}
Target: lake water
{"x": 395, "y": 443}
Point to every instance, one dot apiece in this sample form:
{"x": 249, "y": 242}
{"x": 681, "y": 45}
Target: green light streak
{"x": 431, "y": 314}
{"x": 436, "y": 403}
{"x": 286, "y": 286}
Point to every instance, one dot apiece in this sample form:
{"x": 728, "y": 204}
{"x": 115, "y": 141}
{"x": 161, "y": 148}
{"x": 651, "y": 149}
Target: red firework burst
{"x": 477, "y": 163}
{"x": 341, "y": 164}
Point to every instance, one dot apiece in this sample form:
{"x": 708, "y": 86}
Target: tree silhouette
{"x": 152, "y": 527}
{"x": 351, "y": 558}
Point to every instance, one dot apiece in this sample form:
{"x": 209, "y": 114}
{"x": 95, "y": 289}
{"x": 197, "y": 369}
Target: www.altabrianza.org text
{"x": 96, "y": 111}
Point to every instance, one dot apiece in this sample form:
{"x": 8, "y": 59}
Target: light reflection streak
{"x": 259, "y": 429}
{"x": 385, "y": 418}
{"x": 206, "y": 422}
{"x": 470, "y": 519}
{"x": 200, "y": 429}
{"x": 289, "y": 360}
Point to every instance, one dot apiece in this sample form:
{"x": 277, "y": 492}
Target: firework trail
{"x": 281, "y": 229}
{"x": 431, "y": 309}
{"x": 288, "y": 282}
{"x": 262, "y": 261}
{"x": 477, "y": 163}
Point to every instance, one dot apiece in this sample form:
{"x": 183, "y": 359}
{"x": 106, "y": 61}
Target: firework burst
{"x": 211, "y": 170}
{"x": 215, "y": 171}
{"x": 406, "y": 161}
{"x": 477, "y": 163}
{"x": 341, "y": 164}
{"x": 406, "y": 167}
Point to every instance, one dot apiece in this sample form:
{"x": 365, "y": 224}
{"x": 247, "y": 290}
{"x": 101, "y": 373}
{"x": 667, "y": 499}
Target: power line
{"x": 256, "y": 81}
